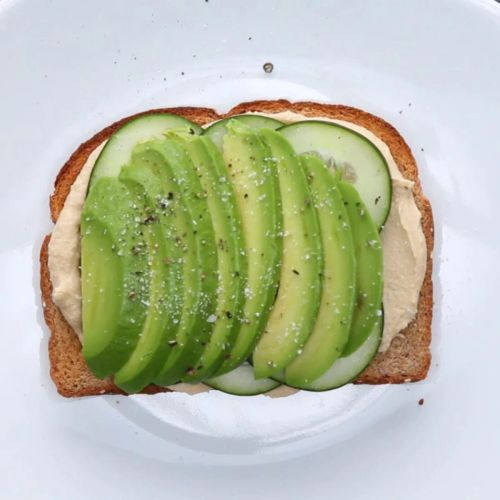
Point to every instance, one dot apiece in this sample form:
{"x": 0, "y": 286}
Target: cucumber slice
{"x": 118, "y": 150}
{"x": 364, "y": 164}
{"x": 218, "y": 130}
{"x": 347, "y": 368}
{"x": 241, "y": 382}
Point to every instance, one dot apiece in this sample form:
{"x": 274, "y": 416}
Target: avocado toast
{"x": 407, "y": 358}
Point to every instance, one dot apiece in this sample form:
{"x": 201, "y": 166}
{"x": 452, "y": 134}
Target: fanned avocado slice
{"x": 293, "y": 314}
{"x": 232, "y": 269}
{"x": 164, "y": 266}
{"x": 369, "y": 268}
{"x": 218, "y": 130}
{"x": 178, "y": 177}
{"x": 333, "y": 323}
{"x": 115, "y": 276}
{"x": 256, "y": 188}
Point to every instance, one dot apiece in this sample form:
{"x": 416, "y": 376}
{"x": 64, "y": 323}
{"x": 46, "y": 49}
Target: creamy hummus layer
{"x": 403, "y": 242}
{"x": 64, "y": 249}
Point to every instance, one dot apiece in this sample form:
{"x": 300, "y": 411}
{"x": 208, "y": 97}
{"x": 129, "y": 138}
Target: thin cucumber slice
{"x": 362, "y": 162}
{"x": 347, "y": 368}
{"x": 241, "y": 382}
{"x": 118, "y": 150}
{"x": 218, "y": 130}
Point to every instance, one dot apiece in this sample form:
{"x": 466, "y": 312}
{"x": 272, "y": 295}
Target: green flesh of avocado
{"x": 112, "y": 272}
{"x": 164, "y": 261}
{"x": 218, "y": 130}
{"x": 369, "y": 272}
{"x": 178, "y": 176}
{"x": 333, "y": 322}
{"x": 257, "y": 194}
{"x": 294, "y": 312}
{"x": 232, "y": 270}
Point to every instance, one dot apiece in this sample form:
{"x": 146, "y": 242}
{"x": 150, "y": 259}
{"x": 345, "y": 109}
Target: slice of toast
{"x": 407, "y": 359}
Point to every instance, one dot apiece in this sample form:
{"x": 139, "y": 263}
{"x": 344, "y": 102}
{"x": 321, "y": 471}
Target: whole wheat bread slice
{"x": 407, "y": 359}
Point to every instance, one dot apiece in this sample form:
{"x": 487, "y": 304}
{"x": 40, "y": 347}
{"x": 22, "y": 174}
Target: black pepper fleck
{"x": 268, "y": 67}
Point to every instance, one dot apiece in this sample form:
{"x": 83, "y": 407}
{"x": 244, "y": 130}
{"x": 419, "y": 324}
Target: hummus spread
{"x": 64, "y": 249}
{"x": 403, "y": 242}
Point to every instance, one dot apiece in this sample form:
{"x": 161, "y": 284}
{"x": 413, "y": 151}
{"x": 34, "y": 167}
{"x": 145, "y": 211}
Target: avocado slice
{"x": 255, "y": 182}
{"x": 178, "y": 177}
{"x": 346, "y": 368}
{"x": 115, "y": 277}
{"x": 218, "y": 130}
{"x": 232, "y": 270}
{"x": 331, "y": 329}
{"x": 294, "y": 312}
{"x": 164, "y": 264}
{"x": 369, "y": 268}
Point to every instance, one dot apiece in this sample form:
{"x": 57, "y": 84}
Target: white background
{"x": 431, "y": 68}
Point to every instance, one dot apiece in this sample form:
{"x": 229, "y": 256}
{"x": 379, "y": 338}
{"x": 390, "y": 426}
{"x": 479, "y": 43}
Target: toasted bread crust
{"x": 408, "y": 358}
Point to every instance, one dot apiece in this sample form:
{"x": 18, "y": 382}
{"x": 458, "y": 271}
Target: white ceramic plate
{"x": 432, "y": 69}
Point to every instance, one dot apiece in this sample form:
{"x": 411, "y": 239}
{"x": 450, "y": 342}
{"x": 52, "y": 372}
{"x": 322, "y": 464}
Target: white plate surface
{"x": 432, "y": 69}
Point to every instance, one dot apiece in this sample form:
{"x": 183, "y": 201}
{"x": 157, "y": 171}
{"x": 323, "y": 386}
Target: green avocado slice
{"x": 200, "y": 276}
{"x": 294, "y": 312}
{"x": 113, "y": 273}
{"x": 369, "y": 272}
{"x": 331, "y": 330}
{"x": 346, "y": 368}
{"x": 256, "y": 188}
{"x": 164, "y": 264}
{"x": 218, "y": 130}
{"x": 221, "y": 201}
